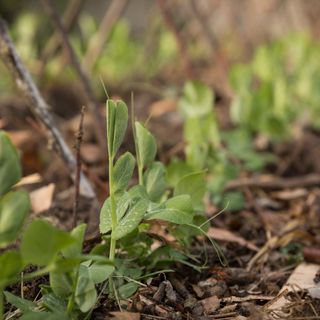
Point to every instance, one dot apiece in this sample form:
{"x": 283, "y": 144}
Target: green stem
{"x": 114, "y": 219}
{"x": 140, "y": 173}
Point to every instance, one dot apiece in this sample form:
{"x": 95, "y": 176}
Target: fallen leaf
{"x": 302, "y": 278}
{"x": 117, "y": 315}
{"x": 161, "y": 107}
{"x": 210, "y": 304}
{"x": 41, "y": 199}
{"x": 226, "y": 235}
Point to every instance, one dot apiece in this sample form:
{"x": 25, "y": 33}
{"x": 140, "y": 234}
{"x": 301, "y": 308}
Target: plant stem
{"x": 114, "y": 219}
{"x": 140, "y": 173}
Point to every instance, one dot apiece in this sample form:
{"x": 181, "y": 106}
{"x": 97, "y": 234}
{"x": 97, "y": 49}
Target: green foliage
{"x": 125, "y": 216}
{"x": 146, "y": 145}
{"x": 42, "y": 242}
{"x": 14, "y": 207}
{"x": 278, "y": 87}
{"x": 208, "y": 148}
{"x": 10, "y": 170}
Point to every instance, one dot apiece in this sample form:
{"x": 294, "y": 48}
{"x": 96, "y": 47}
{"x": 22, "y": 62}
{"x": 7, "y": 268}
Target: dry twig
{"x": 78, "y": 169}
{"x": 38, "y": 105}
{"x": 69, "y": 18}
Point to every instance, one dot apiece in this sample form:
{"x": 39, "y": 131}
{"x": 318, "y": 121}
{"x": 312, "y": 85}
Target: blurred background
{"x": 260, "y": 58}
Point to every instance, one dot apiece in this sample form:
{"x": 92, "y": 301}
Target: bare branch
{"x": 93, "y": 104}
{"x": 97, "y": 42}
{"x": 38, "y": 105}
{"x": 69, "y": 18}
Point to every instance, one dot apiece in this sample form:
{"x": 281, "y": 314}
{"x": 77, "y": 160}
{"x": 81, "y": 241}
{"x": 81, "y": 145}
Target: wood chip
{"x": 41, "y": 199}
{"x": 125, "y": 315}
{"x": 210, "y": 304}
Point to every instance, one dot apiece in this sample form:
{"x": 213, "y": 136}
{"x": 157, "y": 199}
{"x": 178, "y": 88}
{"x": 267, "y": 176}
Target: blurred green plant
{"x": 278, "y": 87}
{"x": 222, "y": 154}
{"x": 127, "y": 214}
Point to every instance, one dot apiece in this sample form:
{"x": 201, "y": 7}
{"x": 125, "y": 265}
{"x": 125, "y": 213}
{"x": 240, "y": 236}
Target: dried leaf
{"x": 41, "y": 199}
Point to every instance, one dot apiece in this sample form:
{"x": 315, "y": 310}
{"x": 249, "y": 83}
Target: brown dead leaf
{"x": 41, "y": 199}
{"x": 226, "y": 235}
{"x": 210, "y": 304}
{"x": 161, "y": 107}
{"x": 302, "y": 278}
{"x": 117, "y": 315}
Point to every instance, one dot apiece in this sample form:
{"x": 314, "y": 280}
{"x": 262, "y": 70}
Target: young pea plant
{"x": 126, "y": 209}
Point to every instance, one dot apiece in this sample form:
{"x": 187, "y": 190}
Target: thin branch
{"x": 93, "y": 104}
{"x": 97, "y": 42}
{"x": 38, "y": 105}
{"x": 169, "y": 20}
{"x": 68, "y": 20}
{"x": 79, "y": 137}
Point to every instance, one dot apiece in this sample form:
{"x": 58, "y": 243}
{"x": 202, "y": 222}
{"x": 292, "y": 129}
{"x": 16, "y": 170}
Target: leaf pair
{"x": 117, "y": 121}
{"x": 130, "y": 212}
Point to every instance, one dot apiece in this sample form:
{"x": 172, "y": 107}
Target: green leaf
{"x": 75, "y": 249}
{"x": 111, "y": 115}
{"x": 137, "y": 192}
{"x": 44, "y": 316}
{"x": 85, "y": 293}
{"x": 176, "y": 170}
{"x": 131, "y": 220}
{"x": 42, "y": 242}
{"x": 155, "y": 181}
{"x": 177, "y": 210}
{"x": 61, "y": 283}
{"x": 53, "y": 303}
{"x": 100, "y": 272}
{"x": 146, "y": 145}
{"x": 11, "y": 265}
{"x": 14, "y": 207}
{"x": 123, "y": 171}
{"x": 117, "y": 121}
{"x": 127, "y": 290}
{"x": 194, "y": 185}
{"x": 105, "y": 213}
{"x": 197, "y": 100}
{"x": 22, "y": 304}
{"x": 10, "y": 169}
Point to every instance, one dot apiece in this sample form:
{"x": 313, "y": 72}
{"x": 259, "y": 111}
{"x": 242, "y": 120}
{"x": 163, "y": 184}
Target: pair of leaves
{"x": 117, "y": 122}
{"x": 130, "y": 212}
{"x": 123, "y": 171}
{"x": 197, "y": 100}
{"x": 145, "y": 144}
